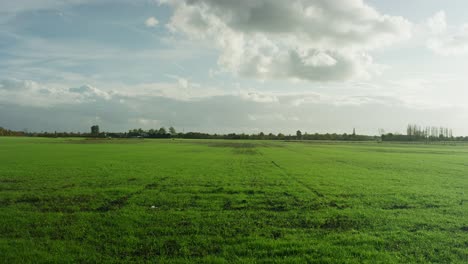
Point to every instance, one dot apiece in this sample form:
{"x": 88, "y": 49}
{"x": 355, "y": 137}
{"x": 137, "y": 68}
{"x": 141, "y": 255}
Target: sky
{"x": 244, "y": 66}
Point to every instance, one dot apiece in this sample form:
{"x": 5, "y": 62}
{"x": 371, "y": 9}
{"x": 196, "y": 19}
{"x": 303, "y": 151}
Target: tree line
{"x": 413, "y": 133}
{"x": 6, "y": 132}
{"x": 424, "y": 133}
{"x": 172, "y": 133}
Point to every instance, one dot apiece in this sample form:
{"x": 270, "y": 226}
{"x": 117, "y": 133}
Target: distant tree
{"x": 172, "y": 131}
{"x": 261, "y": 135}
{"x": 162, "y": 131}
{"x": 281, "y": 136}
{"x": 381, "y": 131}
{"x": 298, "y": 135}
{"x": 271, "y": 136}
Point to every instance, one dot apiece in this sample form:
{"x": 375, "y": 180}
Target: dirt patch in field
{"x": 59, "y": 203}
{"x": 116, "y": 203}
{"x": 411, "y": 151}
{"x": 398, "y": 207}
{"x": 106, "y": 141}
{"x": 232, "y": 145}
{"x": 6, "y": 202}
{"x": 10, "y": 181}
{"x": 247, "y": 151}
{"x": 239, "y": 148}
{"x": 238, "y": 144}
{"x": 343, "y": 223}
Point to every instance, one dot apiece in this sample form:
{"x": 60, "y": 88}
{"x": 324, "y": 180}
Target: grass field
{"x": 179, "y": 201}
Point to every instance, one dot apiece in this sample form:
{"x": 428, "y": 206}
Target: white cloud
{"x": 17, "y": 85}
{"x": 27, "y": 92}
{"x": 28, "y": 5}
{"x": 89, "y": 91}
{"x": 287, "y": 99}
{"x": 147, "y": 123}
{"x": 259, "y": 97}
{"x": 437, "y": 23}
{"x": 27, "y": 103}
{"x": 445, "y": 40}
{"x": 151, "y": 22}
{"x": 184, "y": 83}
{"x": 318, "y": 40}
{"x": 181, "y": 89}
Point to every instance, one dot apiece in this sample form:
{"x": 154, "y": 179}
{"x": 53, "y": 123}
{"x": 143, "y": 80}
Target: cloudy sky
{"x": 234, "y": 66}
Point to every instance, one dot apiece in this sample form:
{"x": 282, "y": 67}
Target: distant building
{"x": 95, "y": 130}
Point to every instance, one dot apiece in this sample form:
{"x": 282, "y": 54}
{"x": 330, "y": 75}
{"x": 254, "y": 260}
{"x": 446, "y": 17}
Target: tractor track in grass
{"x": 297, "y": 180}
{"x": 121, "y": 201}
{"x": 289, "y": 175}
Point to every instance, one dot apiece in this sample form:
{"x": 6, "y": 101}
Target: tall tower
{"x": 354, "y": 131}
{"x": 95, "y": 130}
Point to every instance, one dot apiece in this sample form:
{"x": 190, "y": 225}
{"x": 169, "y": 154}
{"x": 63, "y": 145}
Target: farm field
{"x": 219, "y": 201}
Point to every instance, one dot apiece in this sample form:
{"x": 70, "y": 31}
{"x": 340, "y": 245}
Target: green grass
{"x": 179, "y": 201}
